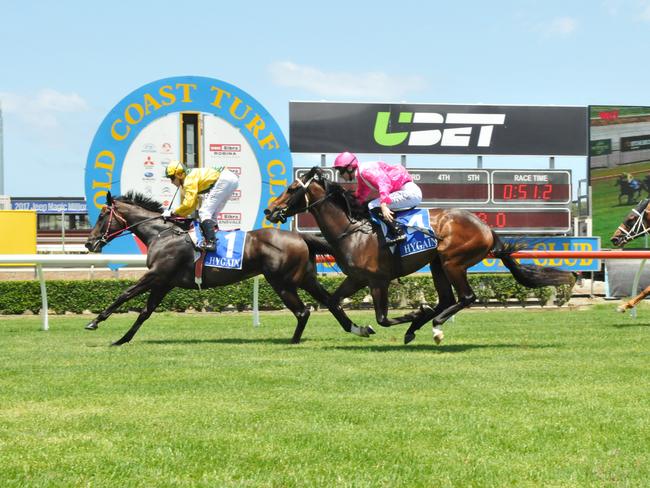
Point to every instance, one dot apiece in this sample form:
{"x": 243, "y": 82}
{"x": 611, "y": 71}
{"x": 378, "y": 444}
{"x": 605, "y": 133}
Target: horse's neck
{"x": 333, "y": 221}
{"x": 147, "y": 231}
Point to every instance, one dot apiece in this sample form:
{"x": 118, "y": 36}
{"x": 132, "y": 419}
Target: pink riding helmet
{"x": 346, "y": 160}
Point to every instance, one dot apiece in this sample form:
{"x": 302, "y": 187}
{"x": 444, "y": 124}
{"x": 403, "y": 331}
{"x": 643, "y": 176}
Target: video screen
{"x": 619, "y": 162}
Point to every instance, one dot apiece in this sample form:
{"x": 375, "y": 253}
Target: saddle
{"x": 420, "y": 236}
{"x": 229, "y": 253}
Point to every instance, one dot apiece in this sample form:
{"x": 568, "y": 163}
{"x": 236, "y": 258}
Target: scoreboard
{"x": 510, "y": 201}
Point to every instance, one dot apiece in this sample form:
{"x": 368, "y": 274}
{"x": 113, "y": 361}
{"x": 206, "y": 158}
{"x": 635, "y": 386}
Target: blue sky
{"x": 64, "y": 65}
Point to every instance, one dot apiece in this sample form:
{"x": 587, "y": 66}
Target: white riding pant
{"x": 215, "y": 200}
{"x": 408, "y": 196}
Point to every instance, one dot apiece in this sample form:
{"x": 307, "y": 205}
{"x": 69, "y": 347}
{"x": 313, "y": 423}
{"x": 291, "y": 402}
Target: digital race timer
{"x": 523, "y": 187}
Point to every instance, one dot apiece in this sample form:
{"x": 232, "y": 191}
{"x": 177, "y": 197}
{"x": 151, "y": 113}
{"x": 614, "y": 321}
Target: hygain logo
{"x": 446, "y": 136}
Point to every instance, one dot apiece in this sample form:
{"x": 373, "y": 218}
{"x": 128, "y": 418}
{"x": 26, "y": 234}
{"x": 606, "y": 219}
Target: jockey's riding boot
{"x": 209, "y": 239}
{"x": 395, "y": 231}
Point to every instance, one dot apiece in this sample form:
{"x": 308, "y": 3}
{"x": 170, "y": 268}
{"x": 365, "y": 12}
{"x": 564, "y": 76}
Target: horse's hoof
{"x": 116, "y": 343}
{"x": 359, "y": 331}
{"x": 438, "y": 335}
{"x": 91, "y": 326}
{"x": 371, "y": 331}
{"x": 409, "y": 337}
{"x": 621, "y": 308}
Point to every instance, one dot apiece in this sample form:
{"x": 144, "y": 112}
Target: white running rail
{"x": 40, "y": 261}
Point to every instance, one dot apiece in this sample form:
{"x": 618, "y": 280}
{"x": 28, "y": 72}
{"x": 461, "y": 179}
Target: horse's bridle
{"x": 108, "y": 236}
{"x": 637, "y": 229}
{"x": 282, "y": 213}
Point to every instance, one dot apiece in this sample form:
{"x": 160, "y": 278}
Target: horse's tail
{"x": 527, "y": 275}
{"x": 316, "y": 245}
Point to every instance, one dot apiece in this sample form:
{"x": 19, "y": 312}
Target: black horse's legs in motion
{"x": 316, "y": 290}
{"x": 379, "y": 293}
{"x": 155, "y": 297}
{"x": 289, "y": 295}
{"x": 142, "y": 285}
{"x": 348, "y": 288}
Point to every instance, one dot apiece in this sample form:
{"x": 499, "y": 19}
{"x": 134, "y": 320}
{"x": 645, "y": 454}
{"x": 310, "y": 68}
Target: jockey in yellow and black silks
{"x": 217, "y": 184}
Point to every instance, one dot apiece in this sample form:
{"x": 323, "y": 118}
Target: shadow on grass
{"x": 281, "y": 341}
{"x": 630, "y": 324}
{"x": 439, "y": 349}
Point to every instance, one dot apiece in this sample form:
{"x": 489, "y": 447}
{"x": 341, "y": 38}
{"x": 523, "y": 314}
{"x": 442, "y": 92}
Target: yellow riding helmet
{"x": 175, "y": 168}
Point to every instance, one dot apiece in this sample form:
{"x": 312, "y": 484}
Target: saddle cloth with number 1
{"x": 230, "y": 248}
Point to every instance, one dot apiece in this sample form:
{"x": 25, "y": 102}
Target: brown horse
{"x": 635, "y": 224}
{"x": 286, "y": 259}
{"x": 464, "y": 241}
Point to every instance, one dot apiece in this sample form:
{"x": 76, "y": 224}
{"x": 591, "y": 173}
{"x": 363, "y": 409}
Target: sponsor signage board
{"x": 330, "y": 127}
{"x": 50, "y": 206}
{"x": 140, "y": 136}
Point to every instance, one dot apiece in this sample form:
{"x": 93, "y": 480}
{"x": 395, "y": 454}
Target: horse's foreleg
{"x": 155, "y": 297}
{"x": 143, "y": 285}
{"x": 348, "y": 288}
{"x": 379, "y": 292}
{"x": 632, "y": 303}
{"x": 316, "y": 290}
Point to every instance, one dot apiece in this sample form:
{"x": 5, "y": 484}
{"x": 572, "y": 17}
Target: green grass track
{"x": 517, "y": 397}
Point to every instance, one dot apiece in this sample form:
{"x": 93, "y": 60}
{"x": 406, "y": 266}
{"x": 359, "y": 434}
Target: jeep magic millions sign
{"x": 323, "y": 127}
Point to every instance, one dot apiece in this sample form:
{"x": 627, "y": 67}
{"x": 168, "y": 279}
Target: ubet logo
{"x": 446, "y": 136}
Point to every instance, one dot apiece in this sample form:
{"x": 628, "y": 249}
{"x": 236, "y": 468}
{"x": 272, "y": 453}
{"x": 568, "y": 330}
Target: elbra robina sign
{"x": 146, "y": 130}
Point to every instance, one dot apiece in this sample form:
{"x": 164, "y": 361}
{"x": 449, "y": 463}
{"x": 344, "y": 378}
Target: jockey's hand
{"x": 166, "y": 213}
{"x": 386, "y": 212}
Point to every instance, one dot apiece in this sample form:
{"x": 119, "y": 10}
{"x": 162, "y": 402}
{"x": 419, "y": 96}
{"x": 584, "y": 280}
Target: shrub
{"x": 16, "y": 297}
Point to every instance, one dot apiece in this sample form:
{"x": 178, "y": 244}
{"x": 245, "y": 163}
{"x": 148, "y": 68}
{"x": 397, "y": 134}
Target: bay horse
{"x": 464, "y": 240}
{"x": 635, "y": 224}
{"x": 286, "y": 259}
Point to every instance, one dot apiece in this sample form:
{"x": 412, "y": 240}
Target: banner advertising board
{"x": 142, "y": 134}
{"x": 400, "y": 128}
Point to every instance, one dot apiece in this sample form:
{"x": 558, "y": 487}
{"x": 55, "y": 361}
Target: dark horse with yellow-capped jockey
{"x": 285, "y": 259}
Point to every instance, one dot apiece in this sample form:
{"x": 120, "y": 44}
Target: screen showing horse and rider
{"x": 619, "y": 161}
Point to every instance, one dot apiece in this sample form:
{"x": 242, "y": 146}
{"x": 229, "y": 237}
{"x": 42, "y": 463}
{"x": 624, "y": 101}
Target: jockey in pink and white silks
{"x": 393, "y": 183}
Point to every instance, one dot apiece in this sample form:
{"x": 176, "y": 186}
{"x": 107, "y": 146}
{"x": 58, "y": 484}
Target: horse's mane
{"x": 140, "y": 200}
{"x": 347, "y": 201}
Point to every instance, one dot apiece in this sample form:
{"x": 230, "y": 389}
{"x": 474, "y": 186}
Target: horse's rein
{"x": 109, "y": 236}
{"x": 310, "y": 205}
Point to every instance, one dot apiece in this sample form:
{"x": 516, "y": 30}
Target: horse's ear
{"x": 109, "y": 198}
